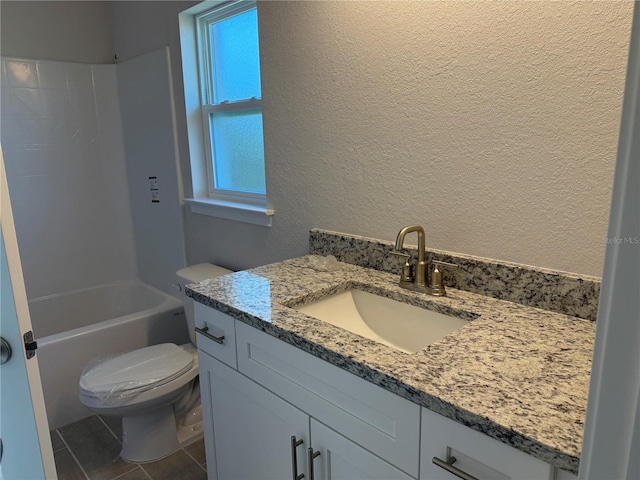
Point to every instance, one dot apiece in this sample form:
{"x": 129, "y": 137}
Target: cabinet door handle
{"x": 312, "y": 455}
{"x": 448, "y": 466}
{"x": 295, "y": 443}
{"x": 205, "y": 331}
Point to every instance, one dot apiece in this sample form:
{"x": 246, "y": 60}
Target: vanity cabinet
{"x": 258, "y": 391}
{"x": 252, "y": 434}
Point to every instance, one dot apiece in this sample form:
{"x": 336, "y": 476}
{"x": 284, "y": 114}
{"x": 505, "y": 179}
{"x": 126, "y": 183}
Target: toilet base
{"x": 150, "y": 437}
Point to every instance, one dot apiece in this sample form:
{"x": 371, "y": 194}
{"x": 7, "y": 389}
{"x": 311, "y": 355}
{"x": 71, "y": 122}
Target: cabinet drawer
{"x": 383, "y": 423}
{"x": 476, "y": 454}
{"x": 218, "y": 325}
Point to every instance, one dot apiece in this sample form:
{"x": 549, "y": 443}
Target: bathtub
{"x": 73, "y": 327}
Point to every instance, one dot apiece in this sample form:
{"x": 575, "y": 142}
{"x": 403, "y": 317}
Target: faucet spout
{"x": 421, "y": 266}
{"x": 421, "y": 240}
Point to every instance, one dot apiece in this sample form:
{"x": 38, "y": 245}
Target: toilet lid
{"x": 131, "y": 372}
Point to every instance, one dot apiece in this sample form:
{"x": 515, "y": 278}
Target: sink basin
{"x": 392, "y": 323}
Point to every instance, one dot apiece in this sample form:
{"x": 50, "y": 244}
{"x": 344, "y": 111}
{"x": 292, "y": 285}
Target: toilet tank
{"x": 193, "y": 274}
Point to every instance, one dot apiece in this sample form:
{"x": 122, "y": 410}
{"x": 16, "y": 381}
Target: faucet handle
{"x": 445, "y": 264}
{"x": 407, "y": 270}
{"x": 404, "y": 256}
{"x": 437, "y": 287}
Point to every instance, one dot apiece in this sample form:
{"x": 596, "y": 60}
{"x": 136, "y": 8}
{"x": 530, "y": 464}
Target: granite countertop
{"x": 516, "y": 373}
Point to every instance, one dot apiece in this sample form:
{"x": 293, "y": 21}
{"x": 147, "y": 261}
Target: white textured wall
{"x": 493, "y": 124}
{"x": 72, "y": 31}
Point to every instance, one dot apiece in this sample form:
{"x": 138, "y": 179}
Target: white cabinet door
{"x": 341, "y": 459}
{"x": 476, "y": 454}
{"x": 248, "y": 429}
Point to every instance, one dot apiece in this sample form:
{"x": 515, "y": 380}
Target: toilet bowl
{"x": 154, "y": 389}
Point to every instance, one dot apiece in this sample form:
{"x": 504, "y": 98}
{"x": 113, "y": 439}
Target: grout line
{"x": 110, "y": 431}
{"x": 72, "y": 455}
{"x": 137, "y": 465}
{"x": 145, "y": 472}
{"x": 55, "y": 432}
{"x": 194, "y": 460}
{"x": 134, "y": 465}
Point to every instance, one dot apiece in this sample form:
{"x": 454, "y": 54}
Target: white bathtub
{"x": 73, "y": 327}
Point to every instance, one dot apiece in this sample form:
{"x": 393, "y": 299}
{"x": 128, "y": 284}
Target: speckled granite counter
{"x": 515, "y": 373}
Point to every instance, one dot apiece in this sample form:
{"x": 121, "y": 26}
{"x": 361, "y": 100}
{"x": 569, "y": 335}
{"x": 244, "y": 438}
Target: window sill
{"x": 239, "y": 212}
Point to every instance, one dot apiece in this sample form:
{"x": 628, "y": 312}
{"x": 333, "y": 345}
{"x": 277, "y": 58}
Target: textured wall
{"x": 70, "y": 31}
{"x": 493, "y": 124}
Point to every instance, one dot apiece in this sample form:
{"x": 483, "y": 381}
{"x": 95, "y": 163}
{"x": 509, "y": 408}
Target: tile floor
{"x": 88, "y": 450}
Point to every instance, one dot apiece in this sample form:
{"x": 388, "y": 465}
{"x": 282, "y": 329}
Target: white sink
{"x": 396, "y": 324}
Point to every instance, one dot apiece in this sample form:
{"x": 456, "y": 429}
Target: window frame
{"x": 208, "y": 106}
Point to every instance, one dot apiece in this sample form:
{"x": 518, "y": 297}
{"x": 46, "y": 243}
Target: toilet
{"x": 154, "y": 389}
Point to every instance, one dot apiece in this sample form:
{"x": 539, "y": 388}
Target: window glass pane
{"x": 235, "y": 58}
{"x": 238, "y": 151}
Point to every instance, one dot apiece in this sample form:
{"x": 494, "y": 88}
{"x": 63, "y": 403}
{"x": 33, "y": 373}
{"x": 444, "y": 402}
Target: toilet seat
{"x": 118, "y": 380}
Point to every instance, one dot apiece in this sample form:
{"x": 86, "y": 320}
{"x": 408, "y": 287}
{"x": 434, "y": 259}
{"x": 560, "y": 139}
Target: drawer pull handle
{"x": 312, "y": 455}
{"x": 295, "y": 443}
{"x": 448, "y": 466}
{"x": 205, "y": 331}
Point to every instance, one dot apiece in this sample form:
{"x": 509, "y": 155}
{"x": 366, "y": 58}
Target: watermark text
{"x": 622, "y": 240}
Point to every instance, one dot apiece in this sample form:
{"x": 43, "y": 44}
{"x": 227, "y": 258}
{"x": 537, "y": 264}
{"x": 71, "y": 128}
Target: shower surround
{"x": 63, "y": 147}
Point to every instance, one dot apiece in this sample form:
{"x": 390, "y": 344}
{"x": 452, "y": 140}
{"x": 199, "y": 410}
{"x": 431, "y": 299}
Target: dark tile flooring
{"x": 89, "y": 449}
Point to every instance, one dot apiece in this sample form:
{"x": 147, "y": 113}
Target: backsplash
{"x": 570, "y": 294}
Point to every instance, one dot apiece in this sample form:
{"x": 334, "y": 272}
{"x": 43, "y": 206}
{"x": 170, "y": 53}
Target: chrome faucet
{"x": 417, "y": 278}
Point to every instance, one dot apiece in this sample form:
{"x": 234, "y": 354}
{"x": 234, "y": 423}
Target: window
{"x": 230, "y": 110}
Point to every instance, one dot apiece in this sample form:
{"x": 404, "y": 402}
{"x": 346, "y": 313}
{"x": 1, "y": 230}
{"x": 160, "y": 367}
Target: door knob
{"x": 5, "y": 355}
